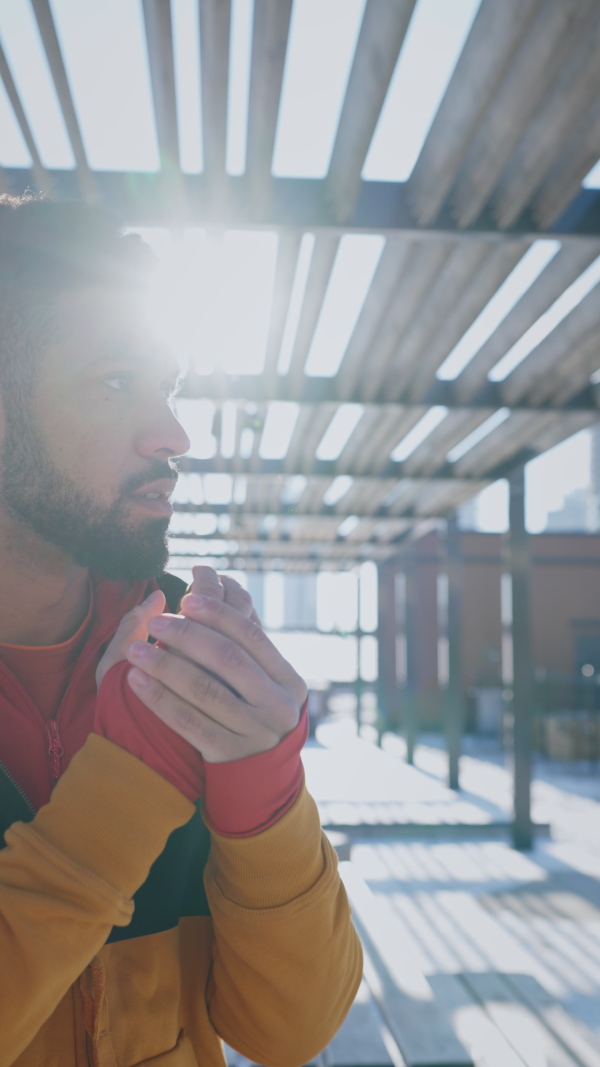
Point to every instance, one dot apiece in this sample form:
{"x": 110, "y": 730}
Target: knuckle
{"x": 254, "y": 632}
{"x": 204, "y": 688}
{"x": 232, "y": 655}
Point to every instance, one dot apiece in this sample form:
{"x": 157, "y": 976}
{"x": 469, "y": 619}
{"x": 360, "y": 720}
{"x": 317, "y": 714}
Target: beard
{"x": 36, "y": 492}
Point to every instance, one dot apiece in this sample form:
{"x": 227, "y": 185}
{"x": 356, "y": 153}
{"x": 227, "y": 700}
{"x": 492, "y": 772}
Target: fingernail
{"x": 139, "y": 650}
{"x": 138, "y": 679}
{"x": 159, "y": 623}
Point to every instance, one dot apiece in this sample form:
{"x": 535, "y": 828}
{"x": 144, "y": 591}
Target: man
{"x": 122, "y": 940}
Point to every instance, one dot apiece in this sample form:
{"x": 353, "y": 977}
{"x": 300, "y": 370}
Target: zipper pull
{"x": 55, "y": 748}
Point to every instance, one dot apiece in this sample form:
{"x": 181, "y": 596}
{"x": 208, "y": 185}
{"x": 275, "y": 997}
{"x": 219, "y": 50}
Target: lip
{"x": 160, "y": 505}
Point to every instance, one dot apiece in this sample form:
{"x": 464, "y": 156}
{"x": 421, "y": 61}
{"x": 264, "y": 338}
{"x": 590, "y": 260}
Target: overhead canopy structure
{"x": 427, "y": 336}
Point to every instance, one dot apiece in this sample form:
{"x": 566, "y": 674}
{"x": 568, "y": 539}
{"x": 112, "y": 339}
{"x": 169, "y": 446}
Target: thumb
{"x": 132, "y": 627}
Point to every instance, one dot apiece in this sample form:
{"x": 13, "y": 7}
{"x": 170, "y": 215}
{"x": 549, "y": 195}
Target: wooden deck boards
{"x": 509, "y": 942}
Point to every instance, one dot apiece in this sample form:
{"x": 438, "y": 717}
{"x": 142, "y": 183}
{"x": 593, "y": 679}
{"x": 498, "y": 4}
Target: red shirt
{"x": 49, "y": 705}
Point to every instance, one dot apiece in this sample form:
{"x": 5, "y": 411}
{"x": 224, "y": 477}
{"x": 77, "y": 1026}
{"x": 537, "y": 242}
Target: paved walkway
{"x": 475, "y": 906}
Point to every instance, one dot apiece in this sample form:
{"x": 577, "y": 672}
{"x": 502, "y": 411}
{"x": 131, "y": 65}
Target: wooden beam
{"x": 215, "y": 18}
{"x": 296, "y": 203}
{"x": 51, "y": 45}
{"x": 269, "y": 44}
{"x": 494, "y": 37}
{"x": 159, "y": 39}
{"x": 40, "y": 174}
{"x": 382, "y": 33}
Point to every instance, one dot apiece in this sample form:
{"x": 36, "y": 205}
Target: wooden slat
{"x": 285, "y": 269}
{"x": 382, "y": 295}
{"x": 40, "y": 174}
{"x": 566, "y": 266}
{"x": 381, "y": 37}
{"x": 528, "y": 378}
{"x": 468, "y": 302}
{"x": 549, "y": 42}
{"x": 215, "y": 16}
{"x": 473, "y": 1024}
{"x": 47, "y": 30}
{"x": 359, "y": 1042}
{"x": 570, "y": 96}
{"x": 503, "y": 443}
{"x": 454, "y": 428}
{"x": 494, "y": 36}
{"x": 410, "y": 368}
{"x": 269, "y": 42}
{"x": 323, "y": 258}
{"x": 420, "y": 272}
{"x": 580, "y": 1041}
{"x": 159, "y": 38}
{"x": 400, "y": 989}
{"x": 519, "y": 1025}
{"x": 577, "y": 156}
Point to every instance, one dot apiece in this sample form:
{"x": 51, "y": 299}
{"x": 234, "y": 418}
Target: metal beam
{"x": 297, "y": 203}
{"x": 522, "y": 702}
{"x": 395, "y": 471}
{"x": 307, "y": 390}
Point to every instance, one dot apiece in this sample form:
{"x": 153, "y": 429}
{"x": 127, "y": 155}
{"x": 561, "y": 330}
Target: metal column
{"x": 410, "y": 703}
{"x": 386, "y": 642}
{"x": 454, "y": 703}
{"x": 519, "y": 567}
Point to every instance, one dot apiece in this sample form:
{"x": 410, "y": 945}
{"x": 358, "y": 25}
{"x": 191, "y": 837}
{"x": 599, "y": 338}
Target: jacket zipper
{"x": 55, "y": 747}
{"x": 13, "y": 781}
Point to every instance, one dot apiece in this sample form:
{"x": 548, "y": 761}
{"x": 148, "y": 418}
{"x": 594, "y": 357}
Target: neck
{"x": 43, "y": 595}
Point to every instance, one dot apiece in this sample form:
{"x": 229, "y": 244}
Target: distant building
{"x": 581, "y": 508}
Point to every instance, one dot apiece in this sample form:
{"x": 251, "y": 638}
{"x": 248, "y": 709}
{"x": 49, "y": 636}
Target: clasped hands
{"x": 214, "y": 677}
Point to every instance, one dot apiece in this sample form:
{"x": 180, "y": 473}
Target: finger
{"x": 226, "y": 660}
{"x": 215, "y": 741}
{"x": 132, "y": 627}
{"x": 206, "y": 582}
{"x": 199, "y": 687}
{"x": 250, "y": 636}
{"x": 236, "y": 596}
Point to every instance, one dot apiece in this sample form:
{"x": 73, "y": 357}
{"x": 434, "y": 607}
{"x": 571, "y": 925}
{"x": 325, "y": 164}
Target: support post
{"x": 410, "y": 712}
{"x": 519, "y": 567}
{"x": 386, "y": 646}
{"x": 455, "y": 695}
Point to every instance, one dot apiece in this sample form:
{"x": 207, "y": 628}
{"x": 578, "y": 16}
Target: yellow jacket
{"x": 262, "y": 955}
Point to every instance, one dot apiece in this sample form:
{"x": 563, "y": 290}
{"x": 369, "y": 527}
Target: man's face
{"x": 95, "y": 435}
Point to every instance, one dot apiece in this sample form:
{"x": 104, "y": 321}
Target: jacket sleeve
{"x": 68, "y": 877}
{"x": 287, "y": 961}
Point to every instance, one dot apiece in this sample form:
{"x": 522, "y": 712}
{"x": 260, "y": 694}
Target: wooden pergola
{"x": 516, "y": 132}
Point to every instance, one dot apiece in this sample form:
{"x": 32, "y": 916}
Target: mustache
{"x": 154, "y": 472}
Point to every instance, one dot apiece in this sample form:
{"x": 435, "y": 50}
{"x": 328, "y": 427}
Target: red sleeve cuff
{"x": 122, "y": 718}
{"x": 244, "y": 797}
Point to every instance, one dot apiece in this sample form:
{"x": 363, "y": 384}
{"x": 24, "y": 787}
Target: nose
{"x": 163, "y": 436}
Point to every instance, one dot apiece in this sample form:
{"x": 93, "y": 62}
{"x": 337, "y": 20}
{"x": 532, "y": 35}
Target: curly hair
{"x": 46, "y": 248}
